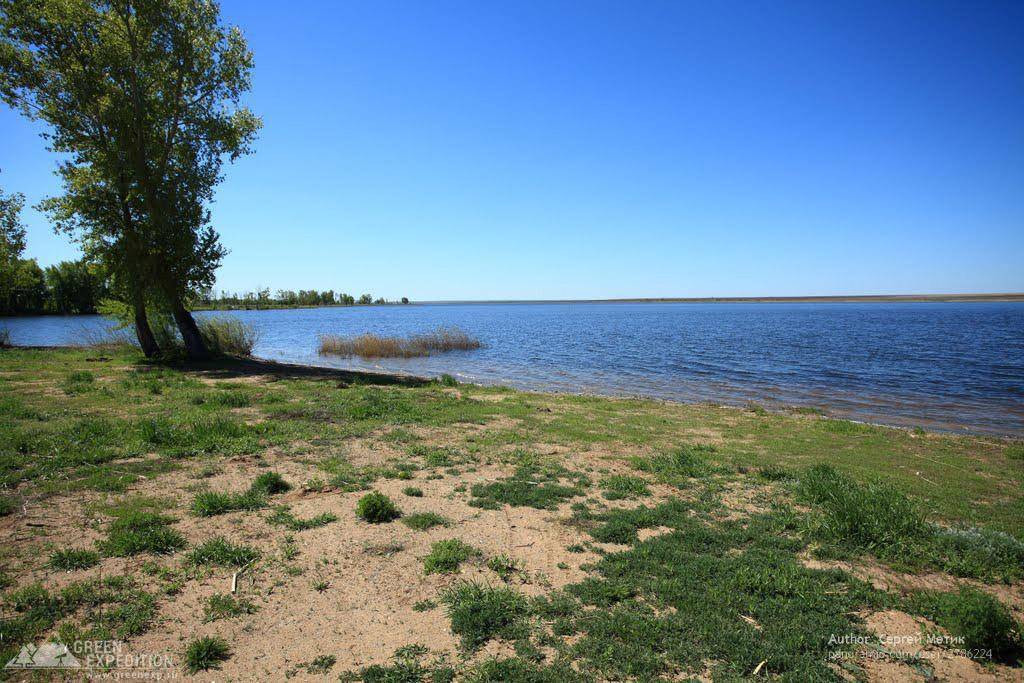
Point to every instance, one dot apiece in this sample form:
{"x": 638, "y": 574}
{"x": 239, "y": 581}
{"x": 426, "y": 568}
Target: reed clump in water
{"x": 374, "y": 346}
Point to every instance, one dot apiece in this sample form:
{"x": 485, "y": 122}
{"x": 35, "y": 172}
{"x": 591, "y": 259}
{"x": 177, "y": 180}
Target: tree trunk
{"x": 195, "y": 347}
{"x": 142, "y": 330}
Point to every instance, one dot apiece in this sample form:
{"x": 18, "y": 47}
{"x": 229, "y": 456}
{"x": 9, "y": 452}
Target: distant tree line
{"x": 287, "y": 298}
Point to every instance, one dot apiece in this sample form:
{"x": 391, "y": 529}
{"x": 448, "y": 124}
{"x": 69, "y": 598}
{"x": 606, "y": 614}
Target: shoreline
{"x": 272, "y": 366}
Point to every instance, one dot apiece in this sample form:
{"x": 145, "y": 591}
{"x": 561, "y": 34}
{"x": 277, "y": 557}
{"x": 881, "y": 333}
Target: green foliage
{"x": 530, "y": 486}
{"x": 221, "y": 552}
{"x": 504, "y": 566}
{"x": 270, "y": 483}
{"x": 112, "y": 607}
{"x": 228, "y": 335}
{"x": 678, "y": 466}
{"x": 983, "y": 622}
{"x": 421, "y": 521}
{"x": 447, "y": 380}
{"x": 7, "y": 506}
{"x": 226, "y": 606}
{"x": 78, "y": 382}
{"x": 517, "y": 670}
{"x": 413, "y": 491}
{"x": 141, "y": 532}
{"x": 208, "y": 652}
{"x": 775, "y": 473}
{"x": 621, "y": 486}
{"x": 446, "y": 556}
{"x": 210, "y": 503}
{"x": 875, "y": 517}
{"x": 879, "y": 519}
{"x": 479, "y": 613}
{"x": 377, "y": 508}
{"x": 71, "y": 559}
{"x": 282, "y": 516}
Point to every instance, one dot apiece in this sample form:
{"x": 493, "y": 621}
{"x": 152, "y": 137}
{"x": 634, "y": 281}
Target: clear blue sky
{"x": 474, "y": 150}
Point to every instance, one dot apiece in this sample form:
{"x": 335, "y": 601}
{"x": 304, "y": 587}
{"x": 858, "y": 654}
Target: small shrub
{"x": 5, "y": 338}
{"x": 70, "y": 559}
{"x": 321, "y": 665}
{"x": 421, "y": 521}
{"x": 982, "y": 621}
{"x": 413, "y": 491}
{"x": 446, "y": 556}
{"x": 203, "y": 654}
{"x": 479, "y": 612}
{"x": 228, "y": 335}
{"x": 376, "y": 508}
{"x": 226, "y": 606}
{"x": 141, "y": 532}
{"x": 270, "y": 483}
{"x": 1015, "y": 451}
{"x": 221, "y": 552}
{"x": 447, "y": 380}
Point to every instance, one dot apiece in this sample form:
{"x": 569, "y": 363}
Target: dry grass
{"x": 373, "y": 346}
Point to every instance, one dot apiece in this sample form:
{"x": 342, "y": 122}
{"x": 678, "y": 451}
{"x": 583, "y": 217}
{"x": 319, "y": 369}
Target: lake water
{"x": 949, "y": 366}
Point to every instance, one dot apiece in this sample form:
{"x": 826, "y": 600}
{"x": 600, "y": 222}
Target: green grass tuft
{"x": 413, "y": 491}
{"x": 221, "y": 552}
{"x": 225, "y": 606}
{"x": 282, "y": 516}
{"x": 208, "y": 652}
{"x": 446, "y": 556}
{"x": 71, "y": 559}
{"x": 528, "y": 487}
{"x": 141, "y": 532}
{"x": 211, "y": 503}
{"x": 421, "y": 521}
{"x": 270, "y": 483}
{"x": 376, "y": 508}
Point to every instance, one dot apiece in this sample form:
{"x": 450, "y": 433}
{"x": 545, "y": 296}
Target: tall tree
{"x": 144, "y": 95}
{"x": 12, "y": 244}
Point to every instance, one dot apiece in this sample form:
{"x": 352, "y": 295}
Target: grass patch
{"x": 225, "y": 606}
{"x": 369, "y": 345}
{"x": 208, "y": 652}
{"x": 446, "y": 556}
{"x": 376, "y": 508}
{"x": 678, "y": 466}
{"x": 212, "y": 503}
{"x": 413, "y": 491}
{"x": 270, "y": 483}
{"x": 421, "y": 521}
{"x": 530, "y": 486}
{"x": 222, "y": 553}
{"x": 980, "y": 620}
{"x": 879, "y": 519}
{"x": 619, "y": 486}
{"x": 479, "y": 613}
{"x": 282, "y": 516}
{"x": 72, "y": 559}
{"x": 140, "y": 531}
